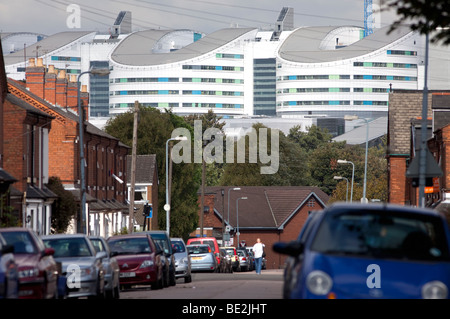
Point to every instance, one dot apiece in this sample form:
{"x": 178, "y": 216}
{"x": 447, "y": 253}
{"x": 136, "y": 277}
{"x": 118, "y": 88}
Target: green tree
{"x": 311, "y": 139}
{"x": 425, "y": 16}
{"x": 64, "y": 208}
{"x": 154, "y": 129}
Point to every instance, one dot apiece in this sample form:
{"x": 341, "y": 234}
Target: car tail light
{"x": 434, "y": 290}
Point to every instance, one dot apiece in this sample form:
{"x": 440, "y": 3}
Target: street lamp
{"x": 167, "y": 205}
{"x": 237, "y": 218}
{"x": 231, "y": 189}
{"x": 339, "y": 178}
{"x": 100, "y": 72}
{"x": 353, "y": 175}
{"x": 351, "y": 118}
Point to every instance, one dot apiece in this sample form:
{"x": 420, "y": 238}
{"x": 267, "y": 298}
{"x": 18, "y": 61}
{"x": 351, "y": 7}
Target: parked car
{"x": 225, "y": 263}
{"x": 202, "y": 258}
{"x": 370, "y": 251}
{"x": 80, "y": 263}
{"x": 9, "y": 272}
{"x": 139, "y": 260}
{"x": 182, "y": 260}
{"x": 251, "y": 257}
{"x": 111, "y": 266}
{"x": 244, "y": 259}
{"x": 211, "y": 241}
{"x": 162, "y": 238}
{"x": 231, "y": 251}
{"x": 38, "y": 272}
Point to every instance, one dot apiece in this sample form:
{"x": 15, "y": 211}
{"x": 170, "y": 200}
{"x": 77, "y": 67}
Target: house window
{"x": 311, "y": 202}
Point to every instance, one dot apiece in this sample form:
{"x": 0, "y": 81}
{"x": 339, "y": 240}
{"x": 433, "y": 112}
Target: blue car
{"x": 369, "y": 251}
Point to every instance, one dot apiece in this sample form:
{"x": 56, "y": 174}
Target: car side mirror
{"x": 293, "y": 248}
{"x": 101, "y": 255}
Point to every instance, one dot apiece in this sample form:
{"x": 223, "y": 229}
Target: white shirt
{"x": 258, "y": 250}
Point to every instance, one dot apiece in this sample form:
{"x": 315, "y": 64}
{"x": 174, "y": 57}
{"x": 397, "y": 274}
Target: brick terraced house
{"x": 55, "y": 95}
{"x": 272, "y": 213}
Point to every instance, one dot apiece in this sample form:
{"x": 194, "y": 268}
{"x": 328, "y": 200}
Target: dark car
{"x": 162, "y": 238}
{"x": 370, "y": 251}
{"x": 9, "y": 273}
{"x": 38, "y": 271}
{"x": 139, "y": 260}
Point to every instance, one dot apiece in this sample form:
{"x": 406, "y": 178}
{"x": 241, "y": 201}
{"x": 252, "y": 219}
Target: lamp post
{"x": 231, "y": 189}
{"x": 351, "y": 118}
{"x": 167, "y": 205}
{"x": 100, "y": 72}
{"x": 237, "y": 219}
{"x": 353, "y": 175}
{"x": 339, "y": 178}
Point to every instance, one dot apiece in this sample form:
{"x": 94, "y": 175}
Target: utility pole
{"x": 133, "y": 168}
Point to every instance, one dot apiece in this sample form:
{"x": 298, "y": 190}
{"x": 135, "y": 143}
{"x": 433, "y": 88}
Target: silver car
{"x": 182, "y": 260}
{"x": 111, "y": 267}
{"x": 81, "y": 264}
{"x": 202, "y": 258}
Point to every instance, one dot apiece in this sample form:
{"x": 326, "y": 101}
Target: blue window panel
{"x": 292, "y": 77}
{"x": 367, "y": 103}
{"x": 197, "y": 36}
{"x": 219, "y": 105}
{"x": 388, "y": 51}
{"x": 123, "y": 92}
{"x": 237, "y": 93}
{"x": 218, "y": 68}
{"x": 197, "y": 92}
{"x": 390, "y": 77}
{"x": 367, "y": 77}
{"x": 333, "y": 102}
{"x": 163, "y": 79}
{"x": 407, "y": 78}
{"x": 292, "y": 103}
{"x": 163, "y": 92}
{"x": 54, "y": 58}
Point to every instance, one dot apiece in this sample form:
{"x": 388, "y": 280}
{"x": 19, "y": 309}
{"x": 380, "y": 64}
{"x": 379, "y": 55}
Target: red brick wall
{"x": 398, "y": 193}
{"x": 14, "y": 146}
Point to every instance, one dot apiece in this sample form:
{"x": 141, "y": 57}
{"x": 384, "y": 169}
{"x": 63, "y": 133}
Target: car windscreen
{"x": 69, "y": 247}
{"x": 127, "y": 246}
{"x": 22, "y": 242}
{"x": 161, "y": 239}
{"x": 405, "y": 236}
{"x": 178, "y": 245}
{"x": 198, "y": 249}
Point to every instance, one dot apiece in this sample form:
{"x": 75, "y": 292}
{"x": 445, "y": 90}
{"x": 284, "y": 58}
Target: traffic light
{"x": 148, "y": 210}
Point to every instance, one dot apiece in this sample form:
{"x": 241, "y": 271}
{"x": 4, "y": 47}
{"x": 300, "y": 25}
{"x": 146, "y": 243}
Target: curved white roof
{"x": 136, "y": 49}
{"x": 304, "y": 44}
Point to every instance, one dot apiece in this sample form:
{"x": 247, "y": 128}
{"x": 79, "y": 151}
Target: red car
{"x": 139, "y": 260}
{"x": 38, "y": 272}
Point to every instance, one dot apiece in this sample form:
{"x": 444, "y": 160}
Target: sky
{"x": 52, "y": 16}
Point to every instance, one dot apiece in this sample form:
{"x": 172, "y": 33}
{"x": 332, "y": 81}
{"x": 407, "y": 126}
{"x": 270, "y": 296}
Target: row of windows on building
{"x": 176, "y": 92}
{"x": 332, "y": 90}
{"x": 172, "y": 105}
{"x": 324, "y": 102}
{"x": 166, "y": 79}
{"x": 346, "y": 77}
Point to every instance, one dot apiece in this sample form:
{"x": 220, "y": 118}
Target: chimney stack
{"x": 61, "y": 89}
{"x": 34, "y": 77}
{"x": 50, "y": 84}
{"x": 72, "y": 93}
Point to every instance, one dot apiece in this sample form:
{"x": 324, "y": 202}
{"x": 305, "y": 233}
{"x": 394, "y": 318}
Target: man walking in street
{"x": 258, "y": 251}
